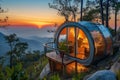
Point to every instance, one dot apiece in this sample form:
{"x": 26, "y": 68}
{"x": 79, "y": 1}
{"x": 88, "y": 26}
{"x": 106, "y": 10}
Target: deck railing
{"x": 50, "y": 46}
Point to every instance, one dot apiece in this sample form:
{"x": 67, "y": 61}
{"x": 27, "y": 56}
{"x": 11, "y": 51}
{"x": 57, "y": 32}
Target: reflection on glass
{"x": 107, "y": 37}
{"x": 62, "y": 36}
{"x": 109, "y": 45}
{"x": 62, "y": 44}
{"x": 99, "y": 43}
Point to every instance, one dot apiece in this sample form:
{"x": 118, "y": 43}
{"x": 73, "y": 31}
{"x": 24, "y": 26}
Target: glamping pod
{"x": 84, "y": 42}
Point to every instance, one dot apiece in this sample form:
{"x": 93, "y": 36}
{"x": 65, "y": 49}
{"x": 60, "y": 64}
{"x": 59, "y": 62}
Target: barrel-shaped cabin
{"x": 82, "y": 42}
{"x": 87, "y": 42}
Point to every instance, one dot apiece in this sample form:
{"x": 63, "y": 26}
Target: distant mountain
{"x": 3, "y": 45}
{"x": 35, "y": 43}
{"x": 41, "y": 39}
{"x": 25, "y": 32}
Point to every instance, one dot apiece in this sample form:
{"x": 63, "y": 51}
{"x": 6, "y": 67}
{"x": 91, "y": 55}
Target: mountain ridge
{"x": 34, "y": 43}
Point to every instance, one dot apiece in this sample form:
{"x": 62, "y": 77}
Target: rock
{"x": 87, "y": 76}
{"x": 115, "y": 67}
{"x": 103, "y": 75}
{"x": 45, "y": 71}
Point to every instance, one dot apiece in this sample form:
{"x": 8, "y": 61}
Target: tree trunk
{"x": 10, "y": 60}
{"x": 11, "y": 55}
{"x": 107, "y": 13}
{"x": 74, "y": 16}
{"x": 81, "y": 10}
{"x": 101, "y": 11}
{"x": 115, "y": 22}
{"x": 66, "y": 18}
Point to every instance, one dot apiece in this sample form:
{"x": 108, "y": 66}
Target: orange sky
{"x": 46, "y": 22}
{"x": 42, "y": 20}
{"x": 35, "y": 21}
{"x": 31, "y": 12}
{"x": 36, "y": 13}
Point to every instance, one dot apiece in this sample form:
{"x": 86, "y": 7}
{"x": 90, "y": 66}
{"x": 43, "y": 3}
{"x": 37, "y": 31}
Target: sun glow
{"x": 40, "y": 24}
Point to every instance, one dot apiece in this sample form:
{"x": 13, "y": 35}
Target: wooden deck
{"x": 55, "y": 57}
{"x": 56, "y": 63}
{"x": 68, "y": 65}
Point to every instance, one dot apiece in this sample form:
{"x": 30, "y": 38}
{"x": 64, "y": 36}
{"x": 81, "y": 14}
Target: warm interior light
{"x": 80, "y": 68}
{"x": 80, "y": 35}
{"x": 82, "y": 47}
{"x": 72, "y": 32}
{"x": 82, "y": 42}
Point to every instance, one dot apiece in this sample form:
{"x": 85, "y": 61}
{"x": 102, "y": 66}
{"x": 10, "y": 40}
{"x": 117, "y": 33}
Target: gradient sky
{"x": 28, "y": 12}
{"x": 33, "y": 12}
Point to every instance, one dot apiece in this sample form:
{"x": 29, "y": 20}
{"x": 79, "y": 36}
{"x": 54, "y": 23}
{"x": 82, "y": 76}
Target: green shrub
{"x": 55, "y": 77}
{"x": 14, "y": 73}
{"x": 118, "y": 75}
{"x": 79, "y": 76}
